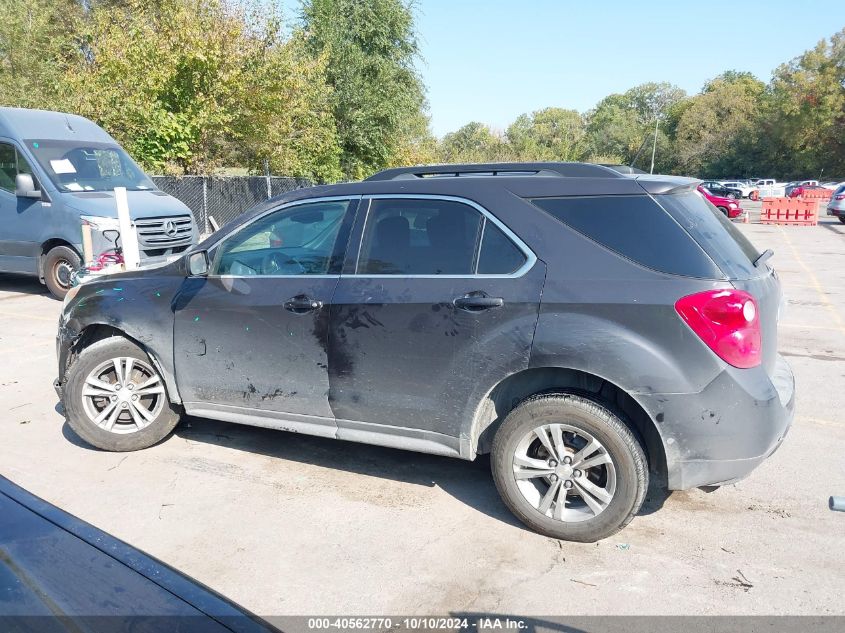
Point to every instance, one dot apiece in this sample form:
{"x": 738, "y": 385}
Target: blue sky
{"x": 491, "y": 60}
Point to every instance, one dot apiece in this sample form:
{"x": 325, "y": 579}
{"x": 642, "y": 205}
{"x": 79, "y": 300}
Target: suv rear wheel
{"x": 115, "y": 398}
{"x": 569, "y": 468}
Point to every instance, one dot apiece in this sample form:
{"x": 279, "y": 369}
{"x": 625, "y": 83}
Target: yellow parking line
{"x": 814, "y": 281}
{"x": 30, "y": 316}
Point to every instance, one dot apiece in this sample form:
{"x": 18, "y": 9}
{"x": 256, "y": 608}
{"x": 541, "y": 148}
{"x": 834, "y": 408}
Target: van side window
{"x": 11, "y": 164}
{"x": 8, "y": 167}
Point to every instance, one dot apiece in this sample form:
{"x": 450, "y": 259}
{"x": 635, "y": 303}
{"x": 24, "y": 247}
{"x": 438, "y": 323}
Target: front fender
{"x": 139, "y": 308}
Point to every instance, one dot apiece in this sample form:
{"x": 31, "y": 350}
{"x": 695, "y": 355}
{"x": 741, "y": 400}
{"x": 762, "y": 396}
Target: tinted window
{"x": 499, "y": 255}
{"x": 8, "y": 167}
{"x": 635, "y": 227}
{"x": 296, "y": 241}
{"x": 12, "y": 164}
{"x": 716, "y": 234}
{"x": 419, "y": 237}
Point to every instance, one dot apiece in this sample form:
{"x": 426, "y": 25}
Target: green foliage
{"x": 717, "y": 127}
{"x": 378, "y": 96}
{"x": 37, "y": 38}
{"x": 474, "y": 143}
{"x": 552, "y": 134}
{"x": 191, "y": 86}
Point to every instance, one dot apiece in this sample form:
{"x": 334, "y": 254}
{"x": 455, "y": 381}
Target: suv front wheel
{"x": 569, "y": 468}
{"x": 115, "y": 398}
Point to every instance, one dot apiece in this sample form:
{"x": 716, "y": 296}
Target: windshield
{"x": 88, "y": 166}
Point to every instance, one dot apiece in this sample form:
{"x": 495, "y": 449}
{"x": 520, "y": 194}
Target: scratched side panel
{"x": 402, "y": 355}
{"x": 236, "y": 344}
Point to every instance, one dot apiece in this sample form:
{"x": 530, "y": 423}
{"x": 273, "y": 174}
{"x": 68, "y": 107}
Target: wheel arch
{"x": 47, "y": 246}
{"x": 518, "y": 387}
{"x": 94, "y": 332}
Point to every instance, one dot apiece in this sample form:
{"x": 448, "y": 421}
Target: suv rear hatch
{"x": 735, "y": 256}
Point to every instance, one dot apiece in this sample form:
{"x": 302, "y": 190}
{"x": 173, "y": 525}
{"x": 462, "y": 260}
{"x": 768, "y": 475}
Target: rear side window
{"x": 636, "y": 228}
{"x": 419, "y": 237}
{"x": 717, "y": 235}
{"x": 499, "y": 256}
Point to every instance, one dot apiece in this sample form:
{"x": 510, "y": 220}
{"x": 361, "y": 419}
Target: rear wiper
{"x": 764, "y": 257}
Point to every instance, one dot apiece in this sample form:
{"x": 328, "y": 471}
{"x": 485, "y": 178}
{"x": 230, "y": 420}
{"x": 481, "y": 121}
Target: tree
{"x": 188, "y": 85}
{"x": 717, "y": 128}
{"x": 806, "y": 117}
{"x": 37, "y": 38}
{"x": 621, "y": 123}
{"x": 474, "y": 143}
{"x": 551, "y": 134}
{"x": 370, "y": 47}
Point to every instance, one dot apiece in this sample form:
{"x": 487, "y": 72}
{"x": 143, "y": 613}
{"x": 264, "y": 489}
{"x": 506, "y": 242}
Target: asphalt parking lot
{"x": 293, "y": 525}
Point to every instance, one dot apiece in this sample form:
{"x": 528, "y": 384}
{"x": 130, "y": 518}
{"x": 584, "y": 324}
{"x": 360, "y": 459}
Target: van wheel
{"x": 59, "y": 265}
{"x": 115, "y": 398}
{"x": 569, "y": 468}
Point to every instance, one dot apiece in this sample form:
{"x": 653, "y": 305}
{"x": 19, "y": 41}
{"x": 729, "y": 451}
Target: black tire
{"x": 842, "y": 219}
{"x": 597, "y": 419}
{"x": 724, "y": 210}
{"x": 59, "y": 264}
{"x": 84, "y": 426}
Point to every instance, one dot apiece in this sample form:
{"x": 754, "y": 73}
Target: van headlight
{"x": 100, "y": 223}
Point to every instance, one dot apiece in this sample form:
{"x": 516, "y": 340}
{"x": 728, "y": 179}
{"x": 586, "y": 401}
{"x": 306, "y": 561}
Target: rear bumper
{"x": 721, "y": 434}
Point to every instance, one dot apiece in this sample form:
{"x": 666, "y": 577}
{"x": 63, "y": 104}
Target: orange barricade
{"x": 789, "y": 211}
{"x": 817, "y": 194}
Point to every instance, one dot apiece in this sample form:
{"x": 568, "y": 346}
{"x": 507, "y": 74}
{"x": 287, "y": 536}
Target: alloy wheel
{"x": 564, "y": 472}
{"x": 123, "y": 395}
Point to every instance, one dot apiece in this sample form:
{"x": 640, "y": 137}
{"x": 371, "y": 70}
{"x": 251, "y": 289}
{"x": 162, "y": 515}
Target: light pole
{"x": 654, "y": 146}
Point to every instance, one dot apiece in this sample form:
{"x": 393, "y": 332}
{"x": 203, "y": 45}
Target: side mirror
{"x": 25, "y": 187}
{"x": 198, "y": 264}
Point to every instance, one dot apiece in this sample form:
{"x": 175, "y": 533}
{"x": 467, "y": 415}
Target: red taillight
{"x": 727, "y": 321}
{"x": 841, "y": 196}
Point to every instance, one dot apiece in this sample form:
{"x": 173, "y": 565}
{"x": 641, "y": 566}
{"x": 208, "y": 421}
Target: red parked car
{"x": 799, "y": 191}
{"x": 728, "y": 206}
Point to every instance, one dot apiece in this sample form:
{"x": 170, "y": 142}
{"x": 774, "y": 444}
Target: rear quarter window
{"x": 635, "y": 227}
{"x": 718, "y": 236}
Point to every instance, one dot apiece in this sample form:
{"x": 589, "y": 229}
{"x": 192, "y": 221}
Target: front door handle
{"x": 302, "y": 304}
{"x": 477, "y": 302}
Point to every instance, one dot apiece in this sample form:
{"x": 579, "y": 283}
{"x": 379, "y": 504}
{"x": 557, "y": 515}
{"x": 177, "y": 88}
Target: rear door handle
{"x": 302, "y": 304}
{"x": 477, "y": 303}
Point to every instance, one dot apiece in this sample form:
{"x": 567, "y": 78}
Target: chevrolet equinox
{"x": 583, "y": 326}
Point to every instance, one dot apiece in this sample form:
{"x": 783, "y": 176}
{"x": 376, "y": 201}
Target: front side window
{"x": 88, "y": 166}
{"x": 11, "y": 164}
{"x": 419, "y": 237}
{"x": 299, "y": 240}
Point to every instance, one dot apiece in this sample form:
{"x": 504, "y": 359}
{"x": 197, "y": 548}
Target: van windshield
{"x": 88, "y": 166}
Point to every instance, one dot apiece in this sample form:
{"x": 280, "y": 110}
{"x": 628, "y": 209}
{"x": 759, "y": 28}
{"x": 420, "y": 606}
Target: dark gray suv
{"x": 581, "y": 325}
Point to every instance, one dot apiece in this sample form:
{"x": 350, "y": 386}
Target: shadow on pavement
{"x": 469, "y": 482}
{"x": 27, "y": 284}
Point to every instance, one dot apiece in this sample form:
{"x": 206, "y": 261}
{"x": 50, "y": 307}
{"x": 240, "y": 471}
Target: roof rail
{"x": 555, "y": 170}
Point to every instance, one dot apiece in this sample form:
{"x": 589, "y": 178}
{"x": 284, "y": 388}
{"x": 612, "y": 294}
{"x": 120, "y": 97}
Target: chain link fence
{"x": 224, "y": 197}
